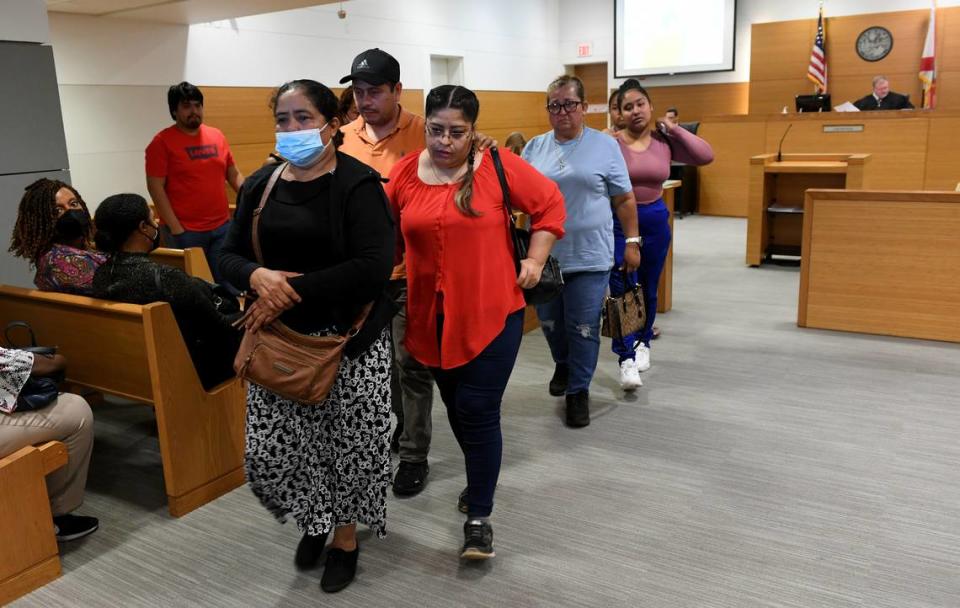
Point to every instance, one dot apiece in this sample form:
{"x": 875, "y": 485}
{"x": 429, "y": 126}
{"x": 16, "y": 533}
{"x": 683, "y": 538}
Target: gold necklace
{"x": 433, "y": 169}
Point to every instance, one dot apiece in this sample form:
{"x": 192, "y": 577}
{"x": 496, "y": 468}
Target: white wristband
{"x": 634, "y": 239}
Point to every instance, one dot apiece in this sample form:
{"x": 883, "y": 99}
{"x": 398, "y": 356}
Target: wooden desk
{"x": 881, "y": 262}
{"x": 780, "y": 185}
{"x": 910, "y": 150}
{"x": 665, "y": 288}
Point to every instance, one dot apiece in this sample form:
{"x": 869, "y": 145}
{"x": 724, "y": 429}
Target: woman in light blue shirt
{"x": 590, "y": 171}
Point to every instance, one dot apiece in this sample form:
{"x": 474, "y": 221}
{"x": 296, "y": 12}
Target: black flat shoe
{"x": 309, "y": 550}
{"x": 578, "y": 409}
{"x": 558, "y": 384}
{"x": 340, "y": 570}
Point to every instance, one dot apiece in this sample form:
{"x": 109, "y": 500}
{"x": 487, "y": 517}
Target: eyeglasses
{"x": 567, "y": 106}
{"x": 455, "y": 134}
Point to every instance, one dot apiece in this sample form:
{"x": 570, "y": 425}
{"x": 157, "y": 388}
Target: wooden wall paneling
{"x": 250, "y": 157}
{"x": 942, "y": 168}
{"x": 948, "y": 88}
{"x": 781, "y": 50}
{"x": 242, "y": 113}
{"x": 948, "y": 42}
{"x": 897, "y": 148}
{"x": 502, "y": 112}
{"x": 724, "y": 182}
{"x": 594, "y": 77}
{"x": 780, "y": 53}
{"x": 696, "y": 101}
{"x": 413, "y": 100}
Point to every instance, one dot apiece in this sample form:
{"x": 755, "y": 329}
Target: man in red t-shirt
{"x": 187, "y": 164}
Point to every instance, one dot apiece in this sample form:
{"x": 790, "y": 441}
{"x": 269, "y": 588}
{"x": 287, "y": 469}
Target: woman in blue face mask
{"x": 54, "y": 233}
{"x": 327, "y": 246}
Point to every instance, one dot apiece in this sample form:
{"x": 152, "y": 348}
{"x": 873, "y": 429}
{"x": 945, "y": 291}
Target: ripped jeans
{"x": 571, "y": 324}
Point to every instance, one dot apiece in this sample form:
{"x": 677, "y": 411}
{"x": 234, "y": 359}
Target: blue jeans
{"x": 473, "y": 393}
{"x": 571, "y": 325}
{"x": 653, "y": 220}
{"x": 211, "y": 241}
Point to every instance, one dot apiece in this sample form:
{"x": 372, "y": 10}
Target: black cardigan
{"x": 357, "y": 234}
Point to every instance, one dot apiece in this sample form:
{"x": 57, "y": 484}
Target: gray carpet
{"x": 760, "y": 465}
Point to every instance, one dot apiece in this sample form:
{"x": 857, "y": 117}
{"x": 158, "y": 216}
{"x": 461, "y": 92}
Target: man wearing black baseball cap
{"x": 374, "y": 66}
{"x": 382, "y": 135}
{"x": 384, "y": 132}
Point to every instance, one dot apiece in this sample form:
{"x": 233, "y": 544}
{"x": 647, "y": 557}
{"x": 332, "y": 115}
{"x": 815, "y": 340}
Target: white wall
{"x": 506, "y": 45}
{"x": 114, "y": 73}
{"x": 593, "y": 22}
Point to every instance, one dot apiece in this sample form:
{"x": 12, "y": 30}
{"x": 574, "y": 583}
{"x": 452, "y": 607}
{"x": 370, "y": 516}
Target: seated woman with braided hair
{"x": 54, "y": 233}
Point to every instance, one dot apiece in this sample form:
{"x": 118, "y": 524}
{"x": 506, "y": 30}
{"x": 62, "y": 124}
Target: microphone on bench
{"x": 780, "y": 145}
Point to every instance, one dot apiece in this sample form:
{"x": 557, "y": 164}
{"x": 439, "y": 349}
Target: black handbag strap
{"x": 19, "y": 325}
{"x": 507, "y": 207}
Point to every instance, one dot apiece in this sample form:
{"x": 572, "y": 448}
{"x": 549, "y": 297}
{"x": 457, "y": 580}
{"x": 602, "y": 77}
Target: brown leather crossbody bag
{"x": 295, "y": 366}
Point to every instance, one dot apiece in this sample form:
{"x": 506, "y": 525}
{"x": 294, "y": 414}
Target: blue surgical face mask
{"x": 301, "y": 148}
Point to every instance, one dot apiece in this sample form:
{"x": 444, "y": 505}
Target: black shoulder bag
{"x": 551, "y": 279}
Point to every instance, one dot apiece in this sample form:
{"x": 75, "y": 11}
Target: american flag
{"x": 928, "y": 62}
{"x": 817, "y": 72}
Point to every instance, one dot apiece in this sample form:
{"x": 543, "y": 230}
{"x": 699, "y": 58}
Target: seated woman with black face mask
{"x": 54, "y": 232}
{"x": 127, "y": 232}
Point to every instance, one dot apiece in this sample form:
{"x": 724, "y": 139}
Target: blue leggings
{"x": 653, "y": 220}
{"x": 472, "y": 394}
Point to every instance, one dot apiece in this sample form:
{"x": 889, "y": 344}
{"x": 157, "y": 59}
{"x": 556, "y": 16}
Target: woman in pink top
{"x": 648, "y": 146}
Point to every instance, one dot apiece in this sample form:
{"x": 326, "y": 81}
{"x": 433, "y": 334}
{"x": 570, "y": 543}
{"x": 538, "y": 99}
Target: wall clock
{"x": 874, "y": 43}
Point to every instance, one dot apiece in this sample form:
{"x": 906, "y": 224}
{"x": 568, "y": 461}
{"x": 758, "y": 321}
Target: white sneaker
{"x": 629, "y": 376}
{"x": 643, "y": 358}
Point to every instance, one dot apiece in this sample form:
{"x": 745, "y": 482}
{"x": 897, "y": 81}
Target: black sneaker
{"x": 558, "y": 384}
{"x": 462, "y": 505}
{"x": 411, "y": 478}
{"x": 578, "y": 409}
{"x": 477, "y": 540}
{"x": 340, "y": 570}
{"x": 71, "y": 527}
{"x": 309, "y": 550}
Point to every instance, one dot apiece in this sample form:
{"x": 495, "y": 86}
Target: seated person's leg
{"x": 69, "y": 420}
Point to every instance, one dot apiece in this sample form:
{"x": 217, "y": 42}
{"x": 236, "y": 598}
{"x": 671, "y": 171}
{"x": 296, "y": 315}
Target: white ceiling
{"x": 178, "y": 11}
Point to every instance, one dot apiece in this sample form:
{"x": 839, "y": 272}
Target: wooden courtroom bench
{"x": 31, "y": 559}
{"x": 191, "y": 260}
{"x": 881, "y": 262}
{"x": 137, "y": 352}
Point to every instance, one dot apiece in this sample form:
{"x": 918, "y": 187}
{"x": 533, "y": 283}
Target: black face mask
{"x": 72, "y": 225}
{"x": 156, "y": 237}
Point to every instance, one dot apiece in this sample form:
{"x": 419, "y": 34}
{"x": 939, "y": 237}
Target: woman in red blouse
{"x": 465, "y": 304}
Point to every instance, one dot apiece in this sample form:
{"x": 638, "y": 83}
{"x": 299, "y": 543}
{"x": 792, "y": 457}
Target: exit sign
{"x": 585, "y": 49}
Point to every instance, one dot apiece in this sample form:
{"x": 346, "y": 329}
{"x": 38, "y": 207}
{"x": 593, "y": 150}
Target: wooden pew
{"x": 191, "y": 260}
{"x": 31, "y": 558}
{"x": 137, "y": 352}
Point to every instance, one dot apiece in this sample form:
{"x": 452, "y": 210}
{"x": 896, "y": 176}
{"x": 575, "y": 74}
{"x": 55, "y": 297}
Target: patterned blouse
{"x": 67, "y": 269}
{"x": 15, "y": 368}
